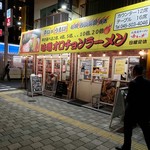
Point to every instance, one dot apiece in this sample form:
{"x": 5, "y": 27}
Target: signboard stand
{"x": 119, "y": 104}
{"x": 35, "y": 85}
{"x": 108, "y": 92}
{"x": 61, "y": 89}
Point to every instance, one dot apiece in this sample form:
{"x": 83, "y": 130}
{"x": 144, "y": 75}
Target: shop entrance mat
{"x": 78, "y": 102}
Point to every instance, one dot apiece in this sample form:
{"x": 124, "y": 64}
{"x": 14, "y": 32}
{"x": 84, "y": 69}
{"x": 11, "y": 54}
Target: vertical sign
{"x": 1, "y": 32}
{"x": 9, "y": 18}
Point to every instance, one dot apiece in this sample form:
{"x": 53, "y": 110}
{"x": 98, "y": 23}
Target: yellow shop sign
{"x": 119, "y": 29}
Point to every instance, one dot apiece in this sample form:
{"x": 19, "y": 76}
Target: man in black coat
{"x": 138, "y": 108}
{"x": 6, "y": 72}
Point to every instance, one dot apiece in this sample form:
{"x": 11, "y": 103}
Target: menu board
{"x": 61, "y": 89}
{"x": 36, "y": 84}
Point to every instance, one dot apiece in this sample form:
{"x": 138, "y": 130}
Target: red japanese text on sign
{"x": 115, "y": 39}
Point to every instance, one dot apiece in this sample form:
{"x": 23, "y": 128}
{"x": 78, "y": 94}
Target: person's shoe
{"x": 118, "y": 148}
{"x": 122, "y": 148}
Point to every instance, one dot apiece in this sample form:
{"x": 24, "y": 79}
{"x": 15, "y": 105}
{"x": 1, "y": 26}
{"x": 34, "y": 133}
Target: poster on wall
{"x": 120, "y": 71}
{"x": 85, "y": 69}
{"x": 100, "y": 69}
{"x": 120, "y": 66}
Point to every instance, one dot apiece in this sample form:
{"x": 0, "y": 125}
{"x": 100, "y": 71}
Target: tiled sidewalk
{"x": 44, "y": 123}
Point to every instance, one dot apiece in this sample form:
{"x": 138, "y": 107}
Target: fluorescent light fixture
{"x": 64, "y": 6}
{"x": 19, "y": 23}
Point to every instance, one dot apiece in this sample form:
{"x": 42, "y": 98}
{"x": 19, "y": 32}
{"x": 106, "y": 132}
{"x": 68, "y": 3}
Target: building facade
{"x": 22, "y": 14}
{"x": 92, "y": 49}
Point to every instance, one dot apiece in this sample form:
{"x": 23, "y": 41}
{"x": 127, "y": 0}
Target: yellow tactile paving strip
{"x": 69, "y": 120}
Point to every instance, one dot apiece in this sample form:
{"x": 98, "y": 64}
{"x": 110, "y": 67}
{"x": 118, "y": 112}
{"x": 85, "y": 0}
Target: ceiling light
{"x": 64, "y": 6}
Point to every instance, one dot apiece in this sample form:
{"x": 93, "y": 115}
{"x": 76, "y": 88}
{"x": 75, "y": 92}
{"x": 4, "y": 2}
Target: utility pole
{"x": 5, "y": 35}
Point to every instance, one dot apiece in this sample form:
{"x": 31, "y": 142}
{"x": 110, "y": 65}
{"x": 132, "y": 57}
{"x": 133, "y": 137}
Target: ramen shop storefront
{"x": 100, "y": 46}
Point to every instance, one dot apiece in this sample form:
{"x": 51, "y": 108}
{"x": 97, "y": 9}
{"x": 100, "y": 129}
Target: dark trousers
{"x": 129, "y": 123}
{"x": 8, "y": 77}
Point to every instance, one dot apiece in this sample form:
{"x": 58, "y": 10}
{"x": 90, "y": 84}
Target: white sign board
{"x": 1, "y": 6}
{"x": 133, "y": 18}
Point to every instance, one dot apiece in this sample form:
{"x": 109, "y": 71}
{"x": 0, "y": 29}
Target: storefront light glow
{"x": 90, "y": 55}
{"x": 104, "y": 54}
{"x": 120, "y": 53}
{"x": 78, "y": 55}
{"x": 142, "y": 53}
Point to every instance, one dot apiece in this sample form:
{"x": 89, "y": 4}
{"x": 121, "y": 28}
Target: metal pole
{"x": 75, "y": 75}
{"x": 6, "y": 35}
{"x": 26, "y": 84}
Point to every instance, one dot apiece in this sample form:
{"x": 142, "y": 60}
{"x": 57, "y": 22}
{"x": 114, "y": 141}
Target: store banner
{"x": 119, "y": 29}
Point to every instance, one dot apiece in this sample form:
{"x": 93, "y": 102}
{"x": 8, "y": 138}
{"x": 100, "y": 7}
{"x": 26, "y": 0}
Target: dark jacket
{"x": 138, "y": 98}
{"x": 7, "y": 69}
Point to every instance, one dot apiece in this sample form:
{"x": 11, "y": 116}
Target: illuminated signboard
{"x": 1, "y": 6}
{"x": 9, "y": 18}
{"x": 124, "y": 28}
{"x": 12, "y": 48}
{"x": 1, "y": 32}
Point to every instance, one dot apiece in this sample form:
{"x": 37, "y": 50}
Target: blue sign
{"x": 12, "y": 48}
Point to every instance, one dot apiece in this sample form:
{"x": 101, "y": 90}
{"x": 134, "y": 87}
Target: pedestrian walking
{"x": 6, "y": 71}
{"x": 137, "y": 110}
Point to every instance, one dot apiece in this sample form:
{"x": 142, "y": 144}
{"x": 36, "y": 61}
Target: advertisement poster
{"x": 30, "y": 41}
{"x": 108, "y": 91}
{"x": 120, "y": 66}
{"x": 85, "y": 70}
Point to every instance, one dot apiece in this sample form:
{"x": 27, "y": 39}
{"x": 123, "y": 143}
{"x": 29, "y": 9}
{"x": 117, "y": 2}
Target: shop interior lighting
{"x": 120, "y": 53}
{"x": 51, "y": 56}
{"x": 78, "y": 55}
{"x": 59, "y": 56}
{"x": 90, "y": 55}
{"x": 19, "y": 23}
{"x": 20, "y": 17}
{"x": 104, "y": 54}
{"x": 142, "y": 53}
{"x": 20, "y": 8}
